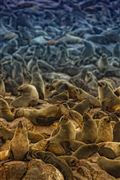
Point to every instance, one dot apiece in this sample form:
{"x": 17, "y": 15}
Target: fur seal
{"x": 5, "y": 111}
{"x": 19, "y": 145}
{"x": 110, "y": 150}
{"x": 82, "y": 95}
{"x": 70, "y": 160}
{"x": 107, "y": 97}
{"x": 105, "y": 130}
{"x": 5, "y": 132}
{"x": 44, "y": 116}
{"x": 89, "y": 131}
{"x": 102, "y": 63}
{"x": 11, "y": 86}
{"x": 38, "y": 82}
{"x": 116, "y": 50}
{"x": 85, "y": 151}
{"x": 88, "y": 50}
{"x": 91, "y": 80}
{"x": 39, "y": 146}
{"x": 99, "y": 114}
{"x": 76, "y": 117}
{"x": 2, "y": 87}
{"x": 66, "y": 132}
{"x": 28, "y": 94}
{"x": 116, "y": 132}
{"x": 61, "y": 85}
{"x": 17, "y": 72}
{"x": 59, "y": 97}
{"x": 82, "y": 107}
{"x": 110, "y": 166}
{"x": 64, "y": 136}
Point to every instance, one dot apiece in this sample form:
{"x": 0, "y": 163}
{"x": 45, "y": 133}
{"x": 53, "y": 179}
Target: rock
{"x": 89, "y": 171}
{"x": 37, "y": 169}
{"x": 13, "y": 170}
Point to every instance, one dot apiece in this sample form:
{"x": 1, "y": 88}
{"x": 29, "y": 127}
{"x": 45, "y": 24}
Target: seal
{"x": 44, "y": 116}
{"x": 116, "y": 132}
{"x": 110, "y": 150}
{"x": 110, "y": 166}
{"x": 107, "y": 97}
{"x": 2, "y": 87}
{"x": 66, "y": 132}
{"x": 82, "y": 95}
{"x": 82, "y": 107}
{"x": 70, "y": 160}
{"x": 85, "y": 151}
{"x": 89, "y": 131}
{"x": 28, "y": 94}
{"x": 19, "y": 145}
{"x": 105, "y": 130}
{"x": 5, "y": 111}
{"x": 38, "y": 82}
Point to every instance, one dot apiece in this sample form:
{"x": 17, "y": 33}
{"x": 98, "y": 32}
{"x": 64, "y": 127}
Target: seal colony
{"x": 59, "y": 89}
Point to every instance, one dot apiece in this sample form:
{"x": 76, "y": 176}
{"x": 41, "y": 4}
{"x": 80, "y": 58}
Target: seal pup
{"x": 19, "y": 145}
{"x": 28, "y": 94}
{"x": 11, "y": 86}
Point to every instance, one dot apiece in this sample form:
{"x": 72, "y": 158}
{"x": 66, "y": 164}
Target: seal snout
{"x": 100, "y": 84}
